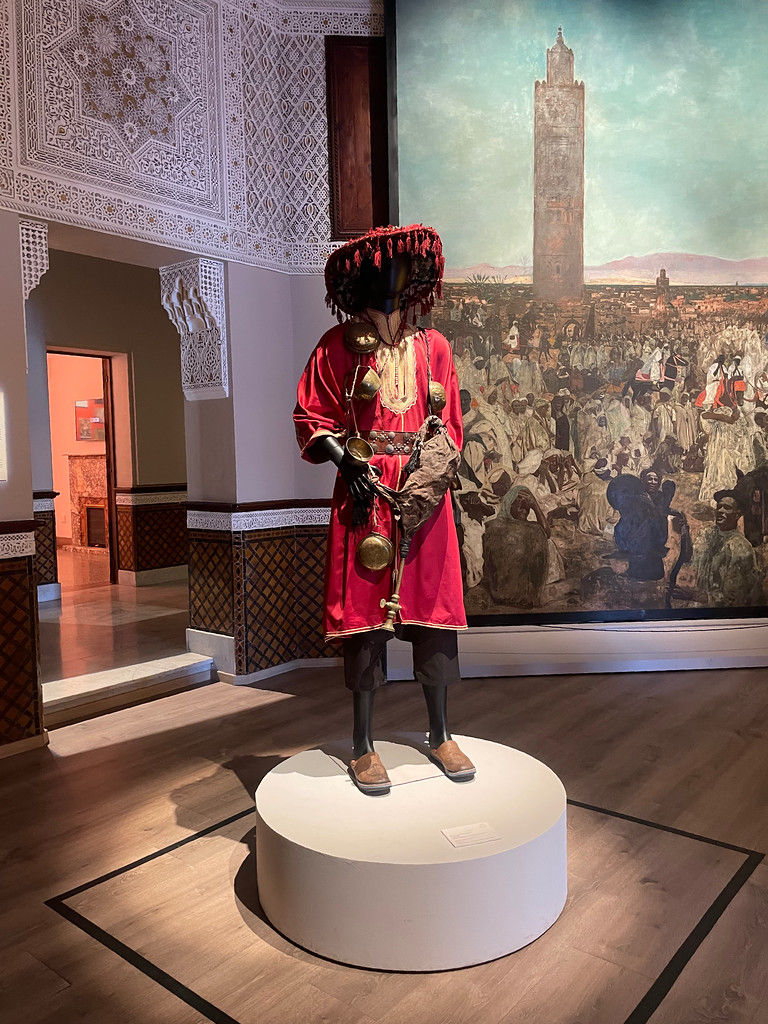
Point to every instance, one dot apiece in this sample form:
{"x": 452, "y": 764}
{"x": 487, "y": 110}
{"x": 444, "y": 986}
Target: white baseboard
{"x": 572, "y": 649}
{"x": 218, "y": 646}
{"x": 576, "y": 649}
{"x": 149, "y": 577}
{"x": 47, "y": 592}
{"x": 278, "y": 670}
{"x": 221, "y": 647}
{"x": 20, "y": 746}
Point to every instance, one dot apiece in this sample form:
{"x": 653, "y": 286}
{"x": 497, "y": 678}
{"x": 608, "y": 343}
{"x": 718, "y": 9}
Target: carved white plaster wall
{"x": 17, "y": 545}
{"x": 34, "y": 253}
{"x": 192, "y": 294}
{"x": 199, "y": 124}
{"x": 263, "y": 519}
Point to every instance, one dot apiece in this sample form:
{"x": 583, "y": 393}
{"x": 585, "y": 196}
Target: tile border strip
{"x": 153, "y": 498}
{"x": 263, "y": 519}
{"x": 17, "y": 545}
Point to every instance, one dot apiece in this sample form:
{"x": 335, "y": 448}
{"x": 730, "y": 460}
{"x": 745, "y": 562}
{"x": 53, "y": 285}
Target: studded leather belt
{"x": 390, "y": 442}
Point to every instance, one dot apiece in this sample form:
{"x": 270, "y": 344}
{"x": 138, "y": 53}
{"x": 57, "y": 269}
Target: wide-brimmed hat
{"x": 343, "y": 269}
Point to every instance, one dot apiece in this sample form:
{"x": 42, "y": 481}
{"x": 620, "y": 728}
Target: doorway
{"x": 82, "y": 450}
{"x": 118, "y": 632}
{"x": 102, "y": 624}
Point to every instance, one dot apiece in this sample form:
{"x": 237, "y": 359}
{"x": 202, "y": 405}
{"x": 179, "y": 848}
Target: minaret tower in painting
{"x": 558, "y": 180}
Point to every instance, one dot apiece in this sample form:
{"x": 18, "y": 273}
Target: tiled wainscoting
{"x": 20, "y": 713}
{"x": 257, "y": 577}
{"x": 46, "y": 569}
{"x": 151, "y": 531}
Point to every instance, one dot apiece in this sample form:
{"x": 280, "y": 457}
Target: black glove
{"x": 354, "y": 474}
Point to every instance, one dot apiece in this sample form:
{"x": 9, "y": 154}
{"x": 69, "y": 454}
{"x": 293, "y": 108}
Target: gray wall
{"x": 39, "y": 414}
{"x": 311, "y": 319}
{"x": 89, "y": 304}
{"x": 275, "y": 321}
{"x": 16, "y": 492}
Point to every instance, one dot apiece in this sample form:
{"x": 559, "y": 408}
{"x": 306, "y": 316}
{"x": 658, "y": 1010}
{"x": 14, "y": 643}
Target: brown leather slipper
{"x": 453, "y": 762}
{"x": 369, "y": 774}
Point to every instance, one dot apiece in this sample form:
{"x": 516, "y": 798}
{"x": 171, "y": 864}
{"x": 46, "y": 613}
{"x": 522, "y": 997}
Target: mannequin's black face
{"x": 383, "y": 286}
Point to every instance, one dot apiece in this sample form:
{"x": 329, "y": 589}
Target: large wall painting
{"x": 598, "y": 173}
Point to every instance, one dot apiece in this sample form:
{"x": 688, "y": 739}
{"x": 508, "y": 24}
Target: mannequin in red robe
{"x": 431, "y": 595}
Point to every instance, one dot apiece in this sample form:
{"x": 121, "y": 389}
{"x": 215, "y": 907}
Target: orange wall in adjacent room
{"x": 70, "y": 379}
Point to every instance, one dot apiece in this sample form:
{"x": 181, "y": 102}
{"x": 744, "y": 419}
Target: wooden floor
{"x": 685, "y": 750}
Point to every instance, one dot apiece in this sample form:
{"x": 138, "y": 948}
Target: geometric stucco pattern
{"x": 124, "y": 92}
{"x": 33, "y": 238}
{"x": 128, "y": 81}
{"x": 289, "y": 212}
{"x": 192, "y": 294}
{"x": 196, "y": 123}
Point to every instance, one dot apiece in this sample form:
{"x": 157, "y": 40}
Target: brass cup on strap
{"x": 358, "y": 450}
{"x": 367, "y": 385}
{"x": 375, "y": 552}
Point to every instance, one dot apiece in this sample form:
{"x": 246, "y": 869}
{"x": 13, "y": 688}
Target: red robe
{"x": 431, "y": 593}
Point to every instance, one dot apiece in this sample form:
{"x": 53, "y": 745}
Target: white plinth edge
{"x": 374, "y": 882}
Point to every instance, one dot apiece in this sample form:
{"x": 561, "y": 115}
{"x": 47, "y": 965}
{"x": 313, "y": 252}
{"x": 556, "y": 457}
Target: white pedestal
{"x": 374, "y": 882}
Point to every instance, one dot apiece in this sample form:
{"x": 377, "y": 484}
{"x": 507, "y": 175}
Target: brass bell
{"x": 358, "y": 450}
{"x": 437, "y": 396}
{"x": 367, "y": 385}
{"x": 361, "y": 338}
{"x": 375, "y": 552}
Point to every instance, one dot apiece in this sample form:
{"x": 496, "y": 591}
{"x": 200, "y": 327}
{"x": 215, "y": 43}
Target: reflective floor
{"x": 82, "y": 567}
{"x": 99, "y": 626}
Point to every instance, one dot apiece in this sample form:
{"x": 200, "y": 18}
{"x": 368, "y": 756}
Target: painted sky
{"x": 676, "y": 115}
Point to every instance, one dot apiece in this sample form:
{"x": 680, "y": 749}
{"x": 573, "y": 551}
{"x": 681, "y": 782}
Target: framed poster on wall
{"x": 598, "y": 173}
{"x": 89, "y": 419}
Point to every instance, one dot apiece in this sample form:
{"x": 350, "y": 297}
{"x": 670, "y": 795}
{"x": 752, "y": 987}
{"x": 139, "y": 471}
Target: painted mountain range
{"x": 682, "y": 269}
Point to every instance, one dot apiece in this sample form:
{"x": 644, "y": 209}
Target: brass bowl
{"x": 358, "y": 450}
{"x": 375, "y": 552}
{"x": 437, "y": 396}
{"x": 361, "y": 338}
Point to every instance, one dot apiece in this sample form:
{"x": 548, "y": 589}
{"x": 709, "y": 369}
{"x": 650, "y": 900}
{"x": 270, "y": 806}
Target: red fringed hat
{"x": 423, "y": 245}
